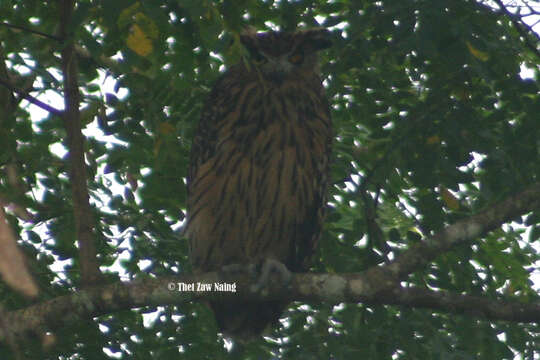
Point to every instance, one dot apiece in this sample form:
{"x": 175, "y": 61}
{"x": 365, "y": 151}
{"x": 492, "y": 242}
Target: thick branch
{"x": 463, "y": 231}
{"x": 69, "y": 310}
{"x": 476, "y": 306}
{"x": 377, "y": 285}
{"x": 84, "y": 220}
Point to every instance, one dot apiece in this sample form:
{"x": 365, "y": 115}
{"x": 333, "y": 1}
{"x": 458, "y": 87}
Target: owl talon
{"x": 268, "y": 267}
{"x": 230, "y": 271}
{"x": 233, "y": 269}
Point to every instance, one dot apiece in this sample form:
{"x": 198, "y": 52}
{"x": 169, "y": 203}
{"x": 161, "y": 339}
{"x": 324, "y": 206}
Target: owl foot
{"x": 266, "y": 268}
{"x": 229, "y": 272}
{"x": 260, "y": 272}
{"x": 235, "y": 269}
{"x": 232, "y": 270}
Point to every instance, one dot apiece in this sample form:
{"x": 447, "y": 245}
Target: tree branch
{"x": 463, "y": 231}
{"x": 480, "y": 307}
{"x": 378, "y": 285}
{"x": 18, "y": 27}
{"x": 31, "y": 99}
{"x": 84, "y": 220}
{"x": 69, "y": 310}
{"x": 6, "y": 98}
{"x": 518, "y": 26}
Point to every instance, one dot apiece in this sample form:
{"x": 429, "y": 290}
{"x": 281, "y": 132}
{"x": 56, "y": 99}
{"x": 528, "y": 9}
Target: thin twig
{"x": 518, "y": 26}
{"x": 531, "y": 9}
{"x": 37, "y": 32}
{"x": 32, "y": 99}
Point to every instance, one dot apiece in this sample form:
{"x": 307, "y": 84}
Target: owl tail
{"x": 245, "y": 321}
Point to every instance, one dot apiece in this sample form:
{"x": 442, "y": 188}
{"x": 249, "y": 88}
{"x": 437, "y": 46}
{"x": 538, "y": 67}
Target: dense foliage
{"x": 433, "y": 123}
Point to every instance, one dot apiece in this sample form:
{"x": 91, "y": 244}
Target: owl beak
{"x": 280, "y": 70}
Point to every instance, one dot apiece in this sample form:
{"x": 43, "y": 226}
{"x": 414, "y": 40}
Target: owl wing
{"x": 310, "y": 231}
{"x": 205, "y": 139}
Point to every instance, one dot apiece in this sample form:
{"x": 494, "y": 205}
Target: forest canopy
{"x": 433, "y": 218}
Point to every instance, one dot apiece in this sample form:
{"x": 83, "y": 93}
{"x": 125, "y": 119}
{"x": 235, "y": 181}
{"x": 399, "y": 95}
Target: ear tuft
{"x": 318, "y": 39}
{"x": 248, "y": 38}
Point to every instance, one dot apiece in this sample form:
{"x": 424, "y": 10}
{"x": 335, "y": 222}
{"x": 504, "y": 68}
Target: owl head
{"x": 279, "y": 54}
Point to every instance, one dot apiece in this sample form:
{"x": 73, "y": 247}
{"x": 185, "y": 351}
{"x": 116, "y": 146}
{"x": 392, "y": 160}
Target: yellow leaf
{"x": 142, "y": 29}
{"x": 165, "y": 128}
{"x": 138, "y": 41}
{"x": 433, "y": 140}
{"x": 147, "y": 25}
{"x": 449, "y": 199}
{"x": 480, "y": 55}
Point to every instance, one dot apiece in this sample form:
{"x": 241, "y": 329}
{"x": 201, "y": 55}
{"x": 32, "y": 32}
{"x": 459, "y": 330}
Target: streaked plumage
{"x": 259, "y": 167}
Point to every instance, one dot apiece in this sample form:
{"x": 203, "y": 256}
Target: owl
{"x": 259, "y": 168}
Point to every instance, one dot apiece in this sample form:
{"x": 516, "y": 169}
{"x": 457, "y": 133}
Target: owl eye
{"x": 296, "y": 58}
{"x": 257, "y": 57}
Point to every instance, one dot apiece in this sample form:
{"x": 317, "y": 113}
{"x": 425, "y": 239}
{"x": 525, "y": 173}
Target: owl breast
{"x": 261, "y": 192}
